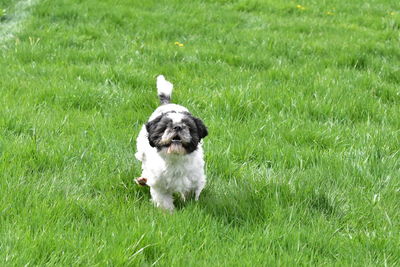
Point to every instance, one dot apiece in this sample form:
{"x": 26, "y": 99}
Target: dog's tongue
{"x": 176, "y": 148}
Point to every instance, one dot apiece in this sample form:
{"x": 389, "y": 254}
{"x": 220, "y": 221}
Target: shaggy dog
{"x": 170, "y": 149}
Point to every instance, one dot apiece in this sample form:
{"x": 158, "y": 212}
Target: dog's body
{"x": 169, "y": 147}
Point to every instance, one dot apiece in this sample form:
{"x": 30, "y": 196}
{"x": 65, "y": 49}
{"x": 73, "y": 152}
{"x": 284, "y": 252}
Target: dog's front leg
{"x": 162, "y": 199}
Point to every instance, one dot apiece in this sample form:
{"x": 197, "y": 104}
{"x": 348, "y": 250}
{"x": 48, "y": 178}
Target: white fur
{"x": 170, "y": 173}
{"x": 164, "y": 86}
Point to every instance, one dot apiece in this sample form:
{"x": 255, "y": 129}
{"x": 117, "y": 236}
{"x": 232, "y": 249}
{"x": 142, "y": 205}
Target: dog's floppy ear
{"x": 151, "y": 124}
{"x": 201, "y": 128}
{"x": 150, "y": 127}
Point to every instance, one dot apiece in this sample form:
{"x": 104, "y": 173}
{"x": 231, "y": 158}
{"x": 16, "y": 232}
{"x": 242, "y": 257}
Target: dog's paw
{"x": 141, "y": 181}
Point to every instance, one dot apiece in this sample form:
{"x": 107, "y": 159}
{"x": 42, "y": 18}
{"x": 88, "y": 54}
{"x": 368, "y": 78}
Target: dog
{"x": 169, "y": 147}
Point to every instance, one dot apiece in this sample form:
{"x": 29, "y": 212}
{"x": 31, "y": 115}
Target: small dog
{"x": 169, "y": 146}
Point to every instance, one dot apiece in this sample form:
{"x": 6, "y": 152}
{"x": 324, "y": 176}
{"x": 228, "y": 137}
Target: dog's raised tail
{"x": 164, "y": 90}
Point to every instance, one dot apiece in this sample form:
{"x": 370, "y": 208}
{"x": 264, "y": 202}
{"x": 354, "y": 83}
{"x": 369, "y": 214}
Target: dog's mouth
{"x": 176, "y": 146}
{"x": 176, "y": 139}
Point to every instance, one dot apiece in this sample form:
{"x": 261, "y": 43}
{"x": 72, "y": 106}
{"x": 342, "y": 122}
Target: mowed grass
{"x": 302, "y": 101}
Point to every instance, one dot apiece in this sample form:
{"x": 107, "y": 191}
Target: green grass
{"x": 302, "y": 106}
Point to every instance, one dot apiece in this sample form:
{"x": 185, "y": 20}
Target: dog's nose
{"x": 177, "y": 128}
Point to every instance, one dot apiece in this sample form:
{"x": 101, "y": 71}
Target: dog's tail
{"x": 164, "y": 90}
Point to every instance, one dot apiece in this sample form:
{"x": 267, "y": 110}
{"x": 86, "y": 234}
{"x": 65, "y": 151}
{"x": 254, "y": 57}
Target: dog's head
{"x": 176, "y": 132}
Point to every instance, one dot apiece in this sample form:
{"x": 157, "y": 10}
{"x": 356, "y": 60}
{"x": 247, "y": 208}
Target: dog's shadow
{"x": 234, "y": 206}
{"x": 249, "y": 202}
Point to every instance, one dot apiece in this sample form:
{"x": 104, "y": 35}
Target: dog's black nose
{"x": 177, "y": 128}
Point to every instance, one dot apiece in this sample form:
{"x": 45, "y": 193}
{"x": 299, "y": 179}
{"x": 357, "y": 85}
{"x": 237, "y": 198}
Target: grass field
{"x": 302, "y": 101}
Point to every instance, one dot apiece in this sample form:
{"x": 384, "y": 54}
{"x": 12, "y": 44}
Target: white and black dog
{"x": 170, "y": 148}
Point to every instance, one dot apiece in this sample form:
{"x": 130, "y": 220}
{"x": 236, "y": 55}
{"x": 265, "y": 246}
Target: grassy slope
{"x": 302, "y": 108}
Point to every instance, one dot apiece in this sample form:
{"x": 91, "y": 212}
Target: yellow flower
{"x": 177, "y": 43}
{"x": 329, "y": 13}
{"x": 392, "y": 13}
{"x": 180, "y": 45}
{"x": 300, "y": 7}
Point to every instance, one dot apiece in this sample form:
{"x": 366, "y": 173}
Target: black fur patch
{"x": 201, "y": 128}
{"x": 197, "y": 131}
{"x": 164, "y": 99}
{"x": 156, "y": 128}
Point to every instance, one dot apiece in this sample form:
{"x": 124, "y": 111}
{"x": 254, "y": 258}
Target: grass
{"x": 302, "y": 104}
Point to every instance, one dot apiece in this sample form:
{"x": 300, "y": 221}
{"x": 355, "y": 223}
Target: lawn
{"x": 302, "y": 103}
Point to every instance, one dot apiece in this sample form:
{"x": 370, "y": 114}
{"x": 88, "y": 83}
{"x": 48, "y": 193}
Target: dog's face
{"x": 176, "y": 132}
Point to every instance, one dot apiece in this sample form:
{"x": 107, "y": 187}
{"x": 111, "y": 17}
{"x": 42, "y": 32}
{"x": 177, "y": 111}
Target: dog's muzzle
{"x": 176, "y": 147}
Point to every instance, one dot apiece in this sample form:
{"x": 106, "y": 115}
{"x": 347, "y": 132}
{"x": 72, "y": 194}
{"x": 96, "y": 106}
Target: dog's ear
{"x": 201, "y": 128}
{"x": 151, "y": 127}
{"x": 152, "y": 124}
